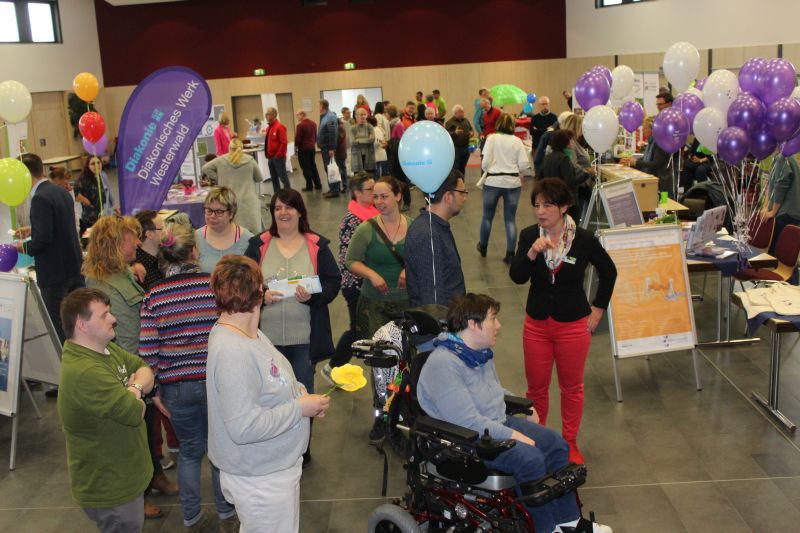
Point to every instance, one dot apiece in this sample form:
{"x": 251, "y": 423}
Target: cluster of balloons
{"x": 426, "y": 154}
{"x": 91, "y": 124}
{"x": 528, "y": 107}
{"x": 592, "y": 92}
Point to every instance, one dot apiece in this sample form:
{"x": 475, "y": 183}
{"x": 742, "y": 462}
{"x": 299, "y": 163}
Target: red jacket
{"x": 305, "y": 135}
{"x": 276, "y": 140}
{"x": 490, "y": 120}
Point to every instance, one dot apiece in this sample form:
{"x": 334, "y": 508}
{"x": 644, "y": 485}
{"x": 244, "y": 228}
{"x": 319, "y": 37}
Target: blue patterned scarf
{"x": 472, "y": 358}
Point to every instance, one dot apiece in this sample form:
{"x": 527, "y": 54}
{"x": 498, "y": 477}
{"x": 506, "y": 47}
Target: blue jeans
{"x": 298, "y": 356}
{"x": 381, "y": 169}
{"x": 186, "y": 401}
{"x": 492, "y": 195}
{"x": 528, "y": 463}
{"x": 326, "y": 159}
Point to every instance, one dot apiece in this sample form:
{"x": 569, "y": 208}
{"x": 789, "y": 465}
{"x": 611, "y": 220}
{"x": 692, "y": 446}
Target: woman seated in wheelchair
{"x": 459, "y": 384}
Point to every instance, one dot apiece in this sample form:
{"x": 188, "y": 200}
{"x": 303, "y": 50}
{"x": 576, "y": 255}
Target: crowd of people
{"x": 185, "y": 330}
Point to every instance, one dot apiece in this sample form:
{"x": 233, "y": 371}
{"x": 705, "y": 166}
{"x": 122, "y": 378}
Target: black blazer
{"x": 566, "y": 300}
{"x": 54, "y": 240}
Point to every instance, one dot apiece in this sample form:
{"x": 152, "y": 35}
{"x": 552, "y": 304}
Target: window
{"x": 609, "y": 3}
{"x": 23, "y": 21}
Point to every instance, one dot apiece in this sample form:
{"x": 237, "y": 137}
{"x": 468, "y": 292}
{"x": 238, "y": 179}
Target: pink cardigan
{"x": 222, "y": 138}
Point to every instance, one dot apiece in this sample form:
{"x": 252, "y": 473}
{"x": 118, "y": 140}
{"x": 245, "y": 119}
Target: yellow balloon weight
{"x": 85, "y": 86}
{"x": 15, "y": 181}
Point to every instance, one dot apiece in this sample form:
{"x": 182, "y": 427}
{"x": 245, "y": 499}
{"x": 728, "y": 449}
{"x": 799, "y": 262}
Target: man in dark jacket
{"x": 460, "y": 131}
{"x": 305, "y": 141}
{"x": 541, "y": 121}
{"x": 54, "y": 241}
{"x": 327, "y": 140}
{"x": 433, "y": 265}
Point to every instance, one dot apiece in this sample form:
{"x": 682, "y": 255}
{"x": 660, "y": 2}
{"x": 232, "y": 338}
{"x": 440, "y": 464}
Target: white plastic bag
{"x": 333, "y": 173}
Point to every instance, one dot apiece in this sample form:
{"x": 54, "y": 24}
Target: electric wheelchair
{"x": 450, "y": 488}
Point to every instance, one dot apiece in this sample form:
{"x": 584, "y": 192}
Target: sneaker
{"x": 326, "y": 373}
{"x": 204, "y": 524}
{"x": 378, "y": 431}
{"x": 166, "y": 463}
{"x": 229, "y": 525}
{"x": 331, "y": 194}
{"x": 481, "y": 249}
{"x": 582, "y": 526}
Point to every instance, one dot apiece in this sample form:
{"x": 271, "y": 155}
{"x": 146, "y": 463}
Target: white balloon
{"x": 681, "y": 64}
{"x": 695, "y": 91}
{"x": 600, "y": 127}
{"x": 720, "y": 90}
{"x": 622, "y": 81}
{"x": 708, "y": 124}
{"x": 796, "y": 92}
{"x": 15, "y": 101}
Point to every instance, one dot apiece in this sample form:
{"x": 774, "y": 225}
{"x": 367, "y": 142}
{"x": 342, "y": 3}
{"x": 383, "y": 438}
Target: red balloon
{"x": 92, "y": 126}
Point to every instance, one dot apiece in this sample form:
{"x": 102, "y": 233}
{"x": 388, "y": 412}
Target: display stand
{"x": 651, "y": 309}
{"x": 25, "y": 328}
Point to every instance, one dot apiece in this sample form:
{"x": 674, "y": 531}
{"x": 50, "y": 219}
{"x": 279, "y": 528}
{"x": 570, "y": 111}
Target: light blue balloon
{"x": 527, "y": 109}
{"x": 426, "y": 155}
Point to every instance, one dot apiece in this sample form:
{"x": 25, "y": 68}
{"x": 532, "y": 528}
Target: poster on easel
{"x": 620, "y": 203}
{"x": 41, "y": 348}
{"x": 651, "y": 309}
{"x": 12, "y": 318}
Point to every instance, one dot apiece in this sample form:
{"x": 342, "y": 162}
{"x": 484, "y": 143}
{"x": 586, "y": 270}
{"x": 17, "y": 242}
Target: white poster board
{"x": 620, "y": 203}
{"x": 651, "y": 309}
{"x": 13, "y": 289}
{"x": 340, "y": 98}
{"x": 41, "y": 350}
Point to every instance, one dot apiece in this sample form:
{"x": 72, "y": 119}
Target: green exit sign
{"x": 349, "y": 66}
{"x": 259, "y": 72}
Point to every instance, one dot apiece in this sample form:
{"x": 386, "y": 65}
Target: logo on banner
{"x": 161, "y": 121}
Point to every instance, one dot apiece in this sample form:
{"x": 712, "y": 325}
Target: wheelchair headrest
{"x": 430, "y": 319}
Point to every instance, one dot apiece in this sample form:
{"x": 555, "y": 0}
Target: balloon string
{"x": 433, "y": 255}
{"x": 100, "y": 192}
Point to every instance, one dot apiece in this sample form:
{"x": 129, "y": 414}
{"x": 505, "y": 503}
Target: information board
{"x": 620, "y": 203}
{"x": 651, "y": 308}
{"x": 13, "y": 289}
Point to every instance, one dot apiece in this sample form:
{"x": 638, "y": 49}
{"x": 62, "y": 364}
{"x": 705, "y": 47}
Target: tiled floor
{"x": 668, "y": 459}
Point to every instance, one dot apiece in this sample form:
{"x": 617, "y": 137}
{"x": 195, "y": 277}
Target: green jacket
{"x": 784, "y": 186}
{"x": 126, "y": 301}
{"x": 107, "y": 454}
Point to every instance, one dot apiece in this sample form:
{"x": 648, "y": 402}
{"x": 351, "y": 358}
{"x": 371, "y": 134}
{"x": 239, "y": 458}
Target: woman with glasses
{"x": 220, "y": 236}
{"x": 239, "y": 172}
{"x": 96, "y": 200}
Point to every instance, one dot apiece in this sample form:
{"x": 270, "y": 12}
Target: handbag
{"x": 334, "y": 176}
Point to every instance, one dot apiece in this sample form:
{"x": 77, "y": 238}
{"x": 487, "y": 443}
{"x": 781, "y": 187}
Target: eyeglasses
{"x": 217, "y": 212}
{"x": 459, "y": 190}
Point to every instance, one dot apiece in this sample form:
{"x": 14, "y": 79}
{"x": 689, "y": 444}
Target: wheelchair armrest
{"x": 516, "y": 405}
{"x": 445, "y": 430}
{"x": 552, "y": 486}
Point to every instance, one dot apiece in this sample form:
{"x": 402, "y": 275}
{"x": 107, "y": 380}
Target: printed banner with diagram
{"x": 651, "y": 308}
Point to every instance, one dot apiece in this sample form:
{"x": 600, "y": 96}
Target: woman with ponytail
{"x": 177, "y": 315}
{"x": 239, "y": 172}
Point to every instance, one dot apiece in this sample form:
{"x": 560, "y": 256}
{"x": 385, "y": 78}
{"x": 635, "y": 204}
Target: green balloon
{"x": 15, "y": 181}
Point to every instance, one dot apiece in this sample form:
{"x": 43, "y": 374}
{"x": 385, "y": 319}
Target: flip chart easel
{"x": 651, "y": 309}
{"x": 25, "y": 328}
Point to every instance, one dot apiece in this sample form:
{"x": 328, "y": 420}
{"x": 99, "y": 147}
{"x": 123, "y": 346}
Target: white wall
{"x": 654, "y": 26}
{"x": 51, "y": 67}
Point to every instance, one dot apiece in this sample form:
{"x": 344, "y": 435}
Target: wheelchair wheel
{"x": 400, "y": 412}
{"x": 389, "y": 518}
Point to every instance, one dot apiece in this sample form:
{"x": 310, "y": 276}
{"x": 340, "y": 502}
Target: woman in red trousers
{"x": 553, "y": 255}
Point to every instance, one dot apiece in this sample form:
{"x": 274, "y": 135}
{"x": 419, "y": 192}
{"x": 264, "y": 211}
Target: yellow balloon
{"x": 15, "y": 181}
{"x": 85, "y": 86}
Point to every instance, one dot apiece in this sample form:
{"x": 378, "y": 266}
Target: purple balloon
{"x": 746, "y": 112}
{"x": 748, "y": 75}
{"x": 783, "y": 118}
{"x": 631, "y": 115}
{"x": 690, "y": 105}
{"x": 670, "y": 129}
{"x": 98, "y": 148}
{"x": 733, "y": 145}
{"x": 8, "y": 257}
{"x": 776, "y": 81}
{"x": 699, "y": 84}
{"x": 792, "y": 146}
{"x": 592, "y": 89}
{"x": 605, "y": 72}
{"x": 762, "y": 143}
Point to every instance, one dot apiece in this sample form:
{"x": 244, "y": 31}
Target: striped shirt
{"x": 177, "y": 316}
